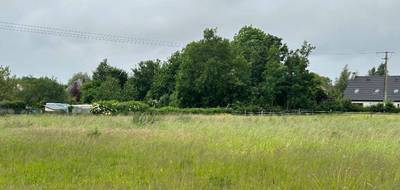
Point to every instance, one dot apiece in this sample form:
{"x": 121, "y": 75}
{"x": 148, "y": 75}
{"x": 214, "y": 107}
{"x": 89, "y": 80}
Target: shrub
{"x": 376, "y": 108}
{"x": 331, "y": 105}
{"x": 131, "y": 107}
{"x": 17, "y": 106}
{"x": 114, "y": 107}
{"x": 388, "y": 107}
{"x": 104, "y": 107}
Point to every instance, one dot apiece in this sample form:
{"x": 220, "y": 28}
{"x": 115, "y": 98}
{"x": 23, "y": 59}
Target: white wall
{"x": 368, "y": 104}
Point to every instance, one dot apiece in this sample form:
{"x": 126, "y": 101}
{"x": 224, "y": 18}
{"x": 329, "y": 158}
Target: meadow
{"x": 200, "y": 152}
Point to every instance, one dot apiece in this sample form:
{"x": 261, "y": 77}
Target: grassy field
{"x": 200, "y": 152}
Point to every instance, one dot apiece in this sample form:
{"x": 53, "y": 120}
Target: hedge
{"x": 114, "y": 107}
{"x": 17, "y": 106}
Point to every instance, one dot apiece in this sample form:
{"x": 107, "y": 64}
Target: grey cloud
{"x": 332, "y": 26}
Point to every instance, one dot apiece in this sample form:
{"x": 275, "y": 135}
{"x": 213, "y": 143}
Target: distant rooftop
{"x": 372, "y": 88}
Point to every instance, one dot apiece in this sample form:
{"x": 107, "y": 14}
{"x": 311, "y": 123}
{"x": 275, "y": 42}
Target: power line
{"x": 342, "y": 53}
{"x": 61, "y": 32}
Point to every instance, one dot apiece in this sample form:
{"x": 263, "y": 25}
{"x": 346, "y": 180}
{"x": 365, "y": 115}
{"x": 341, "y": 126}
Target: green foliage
{"x": 142, "y": 80}
{"x": 380, "y": 71}
{"x": 338, "y": 105}
{"x": 8, "y": 85}
{"x": 376, "y": 108}
{"x": 165, "y": 81}
{"x": 105, "y": 71}
{"x": 107, "y": 84}
{"x": 296, "y": 90}
{"x": 108, "y": 90}
{"x": 131, "y": 107}
{"x": 130, "y": 91}
{"x": 38, "y": 91}
{"x": 265, "y": 54}
{"x": 211, "y": 74}
{"x": 259, "y": 49}
{"x": 114, "y": 107}
{"x": 255, "y": 71}
{"x": 88, "y": 92}
{"x": 388, "y": 107}
{"x": 104, "y": 108}
{"x": 342, "y": 82}
{"x": 17, "y": 106}
{"x": 247, "y": 108}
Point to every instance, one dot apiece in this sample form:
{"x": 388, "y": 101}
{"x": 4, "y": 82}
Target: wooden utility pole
{"x": 386, "y": 58}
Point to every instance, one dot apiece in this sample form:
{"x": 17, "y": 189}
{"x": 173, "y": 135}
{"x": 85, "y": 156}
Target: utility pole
{"x": 386, "y": 58}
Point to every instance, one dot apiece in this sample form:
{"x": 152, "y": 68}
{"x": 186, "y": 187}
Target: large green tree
{"x": 38, "y": 91}
{"x": 7, "y": 84}
{"x": 212, "y": 73}
{"x": 165, "y": 81}
{"x": 140, "y": 83}
{"x": 104, "y": 72}
{"x": 342, "y": 82}
{"x": 108, "y": 90}
{"x": 261, "y": 49}
{"x": 298, "y": 86}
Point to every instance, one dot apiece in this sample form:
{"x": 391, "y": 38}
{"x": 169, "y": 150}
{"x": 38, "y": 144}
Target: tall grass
{"x": 200, "y": 152}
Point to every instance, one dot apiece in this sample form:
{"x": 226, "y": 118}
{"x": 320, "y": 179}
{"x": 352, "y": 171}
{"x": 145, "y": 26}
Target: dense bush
{"x": 131, "y": 106}
{"x": 17, "y": 106}
{"x": 36, "y": 92}
{"x": 115, "y": 107}
{"x": 12, "y": 107}
{"x": 388, "y": 108}
{"x": 104, "y": 107}
{"x": 376, "y": 108}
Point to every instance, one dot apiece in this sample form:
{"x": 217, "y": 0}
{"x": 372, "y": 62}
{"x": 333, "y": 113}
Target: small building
{"x": 56, "y": 107}
{"x": 370, "y": 90}
{"x": 81, "y": 109}
{"x": 66, "y": 108}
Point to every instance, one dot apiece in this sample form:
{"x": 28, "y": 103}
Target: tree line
{"x": 254, "y": 69}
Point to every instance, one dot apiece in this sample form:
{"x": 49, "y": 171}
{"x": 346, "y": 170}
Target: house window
{"x": 356, "y": 91}
{"x": 396, "y": 91}
{"x": 377, "y": 91}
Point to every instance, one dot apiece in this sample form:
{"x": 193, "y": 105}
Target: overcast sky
{"x": 357, "y": 28}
